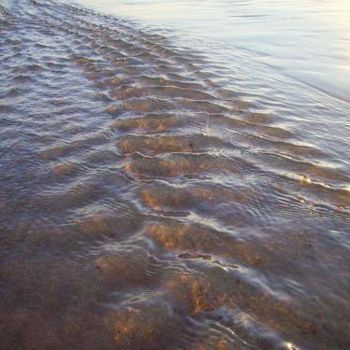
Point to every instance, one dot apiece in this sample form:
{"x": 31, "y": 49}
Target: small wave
{"x": 147, "y": 204}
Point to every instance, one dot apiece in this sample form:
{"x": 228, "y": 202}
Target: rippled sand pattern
{"x": 144, "y": 206}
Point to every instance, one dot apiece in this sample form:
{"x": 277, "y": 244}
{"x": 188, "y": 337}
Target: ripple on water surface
{"x": 148, "y": 204}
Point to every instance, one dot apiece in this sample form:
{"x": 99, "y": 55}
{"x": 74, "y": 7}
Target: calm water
{"x": 174, "y": 175}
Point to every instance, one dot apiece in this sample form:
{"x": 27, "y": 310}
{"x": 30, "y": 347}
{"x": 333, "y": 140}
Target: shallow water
{"x": 167, "y": 186}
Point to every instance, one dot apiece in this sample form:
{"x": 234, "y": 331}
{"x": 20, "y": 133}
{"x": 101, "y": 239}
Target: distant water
{"x": 174, "y": 175}
{"x": 308, "y": 40}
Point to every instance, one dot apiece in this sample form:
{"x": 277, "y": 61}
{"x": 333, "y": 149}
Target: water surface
{"x": 174, "y": 177}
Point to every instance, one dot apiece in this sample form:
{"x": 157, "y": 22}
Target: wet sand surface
{"x": 144, "y": 204}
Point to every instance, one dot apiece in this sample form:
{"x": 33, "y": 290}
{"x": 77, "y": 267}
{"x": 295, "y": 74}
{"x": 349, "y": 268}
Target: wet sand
{"x": 145, "y": 205}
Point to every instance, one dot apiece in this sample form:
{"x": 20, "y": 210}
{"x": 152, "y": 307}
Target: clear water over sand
{"x": 174, "y": 176}
{"x": 307, "y": 40}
